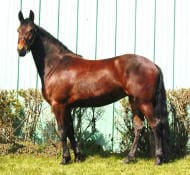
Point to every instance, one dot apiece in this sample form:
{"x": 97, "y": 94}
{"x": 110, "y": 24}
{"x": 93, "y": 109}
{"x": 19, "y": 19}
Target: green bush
{"x": 20, "y": 121}
{"x": 19, "y": 114}
{"x": 10, "y": 116}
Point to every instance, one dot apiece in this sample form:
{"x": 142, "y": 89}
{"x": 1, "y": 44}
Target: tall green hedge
{"x": 19, "y": 114}
{"x": 25, "y": 116}
{"x": 20, "y": 120}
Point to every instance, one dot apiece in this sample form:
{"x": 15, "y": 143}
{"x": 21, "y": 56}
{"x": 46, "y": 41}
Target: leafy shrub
{"x": 19, "y": 114}
{"x": 20, "y": 120}
{"x": 10, "y": 116}
{"x": 178, "y": 105}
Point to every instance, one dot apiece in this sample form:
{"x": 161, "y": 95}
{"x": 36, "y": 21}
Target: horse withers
{"x": 69, "y": 81}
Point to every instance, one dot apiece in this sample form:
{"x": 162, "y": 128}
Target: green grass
{"x": 95, "y": 165}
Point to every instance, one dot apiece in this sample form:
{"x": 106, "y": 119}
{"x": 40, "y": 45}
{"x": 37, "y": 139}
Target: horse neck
{"x": 47, "y": 52}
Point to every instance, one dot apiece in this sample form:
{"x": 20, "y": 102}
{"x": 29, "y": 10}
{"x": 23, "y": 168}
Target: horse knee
{"x": 62, "y": 135}
{"x": 138, "y": 122}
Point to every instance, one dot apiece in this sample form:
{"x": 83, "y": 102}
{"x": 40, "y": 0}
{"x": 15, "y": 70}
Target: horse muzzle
{"x": 21, "y": 52}
{"x": 21, "y": 47}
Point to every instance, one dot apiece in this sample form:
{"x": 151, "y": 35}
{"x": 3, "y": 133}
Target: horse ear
{"x": 31, "y": 16}
{"x": 20, "y": 16}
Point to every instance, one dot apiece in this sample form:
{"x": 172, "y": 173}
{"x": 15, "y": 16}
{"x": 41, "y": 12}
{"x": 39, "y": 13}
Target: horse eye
{"x": 28, "y": 32}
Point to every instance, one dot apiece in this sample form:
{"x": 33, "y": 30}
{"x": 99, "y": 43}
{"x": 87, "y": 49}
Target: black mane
{"x": 51, "y": 38}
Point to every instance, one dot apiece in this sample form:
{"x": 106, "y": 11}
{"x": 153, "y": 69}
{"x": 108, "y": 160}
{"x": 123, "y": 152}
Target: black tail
{"x": 161, "y": 112}
{"x": 160, "y": 99}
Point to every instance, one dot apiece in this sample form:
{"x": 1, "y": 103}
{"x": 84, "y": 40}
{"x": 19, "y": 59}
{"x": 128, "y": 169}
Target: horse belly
{"x": 87, "y": 100}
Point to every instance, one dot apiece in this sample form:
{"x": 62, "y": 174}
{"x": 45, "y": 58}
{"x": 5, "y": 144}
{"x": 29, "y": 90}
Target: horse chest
{"x": 56, "y": 91}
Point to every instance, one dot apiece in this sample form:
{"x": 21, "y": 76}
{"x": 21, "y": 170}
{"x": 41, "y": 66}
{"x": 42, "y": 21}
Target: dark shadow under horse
{"x": 68, "y": 81}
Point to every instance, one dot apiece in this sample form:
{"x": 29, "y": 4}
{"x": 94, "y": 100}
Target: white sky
{"x": 105, "y": 34}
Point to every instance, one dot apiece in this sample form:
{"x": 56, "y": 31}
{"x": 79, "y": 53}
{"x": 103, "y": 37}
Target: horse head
{"x": 26, "y": 33}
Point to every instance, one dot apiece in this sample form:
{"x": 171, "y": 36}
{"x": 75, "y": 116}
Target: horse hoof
{"x": 65, "y": 161}
{"x": 158, "y": 161}
{"x": 129, "y": 159}
{"x": 79, "y": 158}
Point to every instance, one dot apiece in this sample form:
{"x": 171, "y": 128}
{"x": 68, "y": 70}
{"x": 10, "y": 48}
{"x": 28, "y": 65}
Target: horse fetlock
{"x": 159, "y": 152}
{"x": 79, "y": 157}
{"x": 129, "y": 159}
{"x": 65, "y": 160}
{"x": 158, "y": 160}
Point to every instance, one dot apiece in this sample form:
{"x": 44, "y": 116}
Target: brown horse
{"x": 70, "y": 81}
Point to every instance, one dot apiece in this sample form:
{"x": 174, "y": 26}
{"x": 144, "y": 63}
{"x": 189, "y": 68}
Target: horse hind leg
{"x": 163, "y": 130}
{"x": 155, "y": 125}
{"x": 138, "y": 122}
{"x": 165, "y": 140}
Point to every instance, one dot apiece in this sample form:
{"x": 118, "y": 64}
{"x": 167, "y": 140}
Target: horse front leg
{"x": 78, "y": 156}
{"x": 62, "y": 122}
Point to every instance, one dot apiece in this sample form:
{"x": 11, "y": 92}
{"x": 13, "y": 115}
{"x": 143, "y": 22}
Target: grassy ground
{"x": 95, "y": 165}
